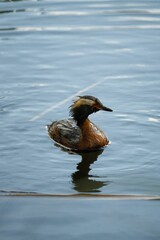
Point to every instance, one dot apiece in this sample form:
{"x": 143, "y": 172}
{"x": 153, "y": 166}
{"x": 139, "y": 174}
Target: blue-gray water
{"x": 49, "y": 51}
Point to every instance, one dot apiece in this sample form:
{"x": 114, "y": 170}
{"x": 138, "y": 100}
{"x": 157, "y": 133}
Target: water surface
{"x": 51, "y": 50}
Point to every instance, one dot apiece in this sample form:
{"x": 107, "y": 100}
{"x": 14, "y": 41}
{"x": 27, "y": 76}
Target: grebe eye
{"x": 95, "y": 109}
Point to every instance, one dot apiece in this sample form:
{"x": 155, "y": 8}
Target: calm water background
{"x": 49, "y": 51}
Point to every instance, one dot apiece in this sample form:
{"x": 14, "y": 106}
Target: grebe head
{"x": 84, "y": 106}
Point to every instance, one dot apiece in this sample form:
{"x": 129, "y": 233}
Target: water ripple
{"x": 79, "y": 28}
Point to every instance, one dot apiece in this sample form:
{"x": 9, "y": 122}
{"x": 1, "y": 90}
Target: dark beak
{"x": 107, "y": 109}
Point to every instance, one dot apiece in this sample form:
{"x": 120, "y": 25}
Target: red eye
{"x": 97, "y": 106}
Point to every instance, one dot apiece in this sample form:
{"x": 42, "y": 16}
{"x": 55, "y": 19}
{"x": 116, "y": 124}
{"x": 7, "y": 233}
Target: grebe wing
{"x": 65, "y": 132}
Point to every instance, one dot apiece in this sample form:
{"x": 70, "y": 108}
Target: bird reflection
{"x": 81, "y": 179}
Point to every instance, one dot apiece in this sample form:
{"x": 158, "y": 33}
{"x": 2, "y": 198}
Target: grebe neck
{"x": 81, "y": 113}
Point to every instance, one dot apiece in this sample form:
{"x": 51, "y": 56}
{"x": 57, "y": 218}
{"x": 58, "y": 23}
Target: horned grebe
{"x": 78, "y": 133}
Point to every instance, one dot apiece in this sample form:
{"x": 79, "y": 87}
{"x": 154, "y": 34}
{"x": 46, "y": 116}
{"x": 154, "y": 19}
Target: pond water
{"x": 51, "y": 51}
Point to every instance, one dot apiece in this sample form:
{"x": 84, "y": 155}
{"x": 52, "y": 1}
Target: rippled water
{"x": 51, "y": 51}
